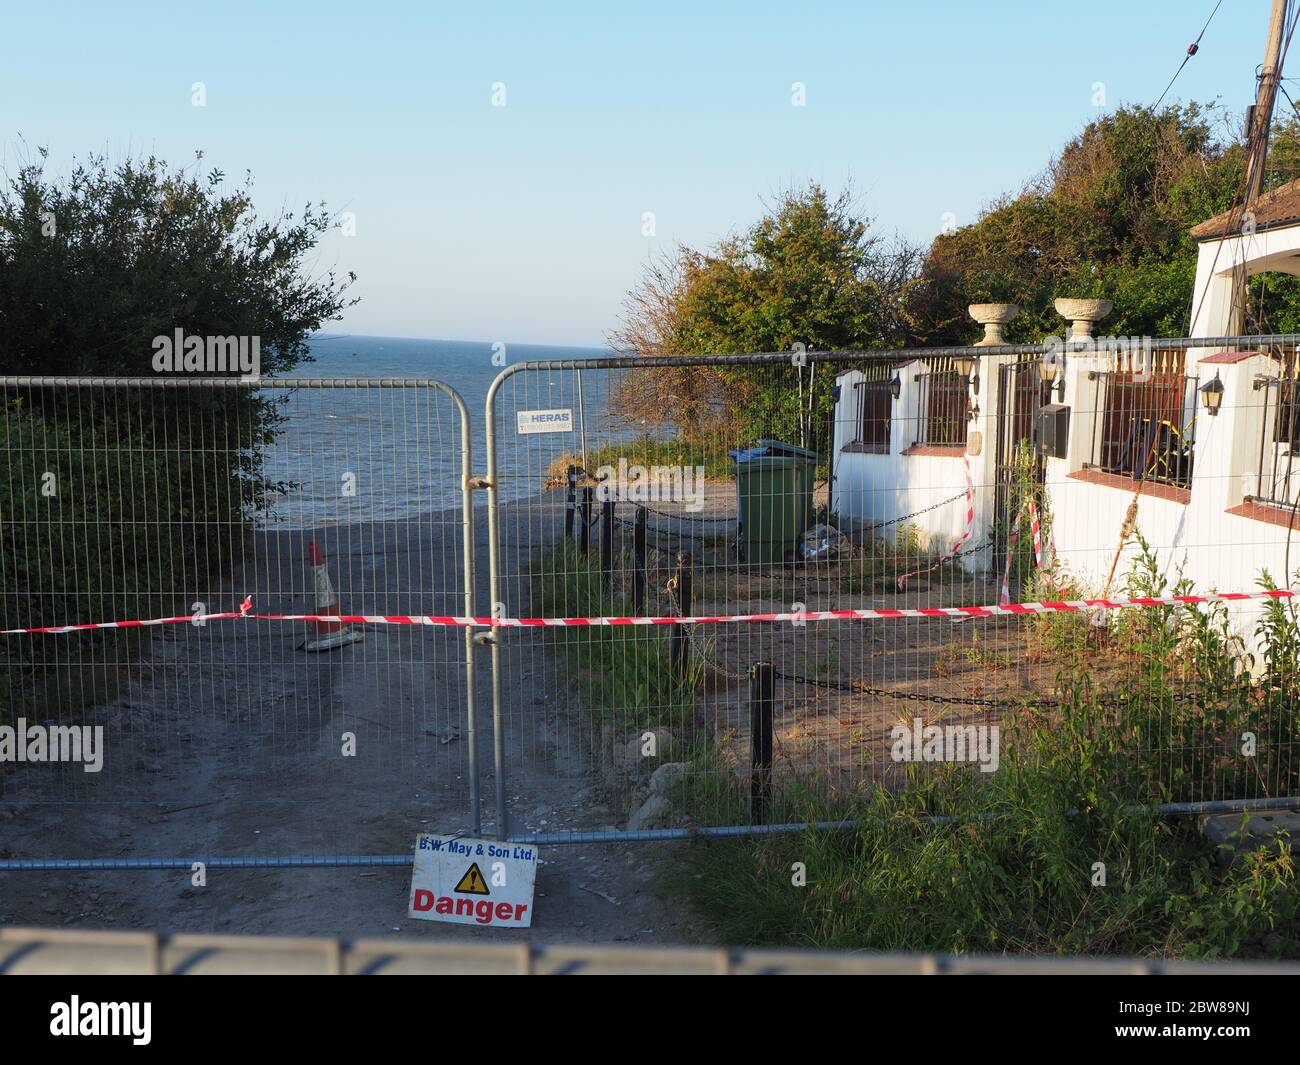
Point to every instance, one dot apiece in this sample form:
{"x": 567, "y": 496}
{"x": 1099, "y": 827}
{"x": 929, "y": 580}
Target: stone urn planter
{"x": 992, "y": 316}
{"x": 1082, "y": 315}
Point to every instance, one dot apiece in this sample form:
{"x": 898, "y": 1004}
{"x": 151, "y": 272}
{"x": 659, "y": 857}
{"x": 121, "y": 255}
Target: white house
{"x": 1202, "y": 441}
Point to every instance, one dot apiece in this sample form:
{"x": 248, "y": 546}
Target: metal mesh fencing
{"x": 1015, "y": 604}
{"x": 135, "y": 500}
{"x": 750, "y": 486}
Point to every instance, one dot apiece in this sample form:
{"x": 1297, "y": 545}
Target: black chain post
{"x": 762, "y": 694}
{"x": 680, "y": 642}
{"x": 639, "y": 558}
{"x": 607, "y": 544}
{"x": 584, "y": 523}
{"x": 570, "y": 501}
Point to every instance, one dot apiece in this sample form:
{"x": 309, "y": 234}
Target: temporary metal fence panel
{"x": 631, "y": 506}
{"x": 618, "y": 488}
{"x": 666, "y": 487}
{"x": 139, "y": 499}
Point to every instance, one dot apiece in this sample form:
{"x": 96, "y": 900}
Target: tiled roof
{"x": 1277, "y": 207}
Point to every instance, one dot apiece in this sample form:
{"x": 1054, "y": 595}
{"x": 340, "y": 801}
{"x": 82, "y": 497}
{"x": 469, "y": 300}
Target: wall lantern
{"x": 967, "y": 365}
{"x": 1212, "y": 395}
{"x": 896, "y": 386}
{"x": 1051, "y": 369}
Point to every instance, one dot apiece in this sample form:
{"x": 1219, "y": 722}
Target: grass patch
{"x": 625, "y": 673}
{"x": 647, "y": 451}
{"x": 1013, "y": 872}
{"x": 1046, "y": 855}
{"x": 877, "y": 563}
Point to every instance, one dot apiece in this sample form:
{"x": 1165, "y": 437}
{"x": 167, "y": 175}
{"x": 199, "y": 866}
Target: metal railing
{"x": 1279, "y": 442}
{"x": 942, "y": 409}
{"x": 1145, "y": 426}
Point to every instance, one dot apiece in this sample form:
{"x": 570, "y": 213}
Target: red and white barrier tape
{"x": 970, "y": 528}
{"x": 1013, "y": 541}
{"x": 1000, "y": 610}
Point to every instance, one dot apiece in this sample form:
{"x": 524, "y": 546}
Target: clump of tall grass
{"x": 1061, "y": 850}
{"x": 625, "y": 673}
{"x": 1046, "y": 856}
{"x": 646, "y": 451}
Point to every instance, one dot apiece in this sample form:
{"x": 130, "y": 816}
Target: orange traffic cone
{"x": 329, "y": 634}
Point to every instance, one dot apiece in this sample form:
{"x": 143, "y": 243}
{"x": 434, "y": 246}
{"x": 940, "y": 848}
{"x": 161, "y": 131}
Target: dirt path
{"x": 227, "y": 741}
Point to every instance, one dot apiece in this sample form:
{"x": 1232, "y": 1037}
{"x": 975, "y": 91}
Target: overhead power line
{"x": 1192, "y": 49}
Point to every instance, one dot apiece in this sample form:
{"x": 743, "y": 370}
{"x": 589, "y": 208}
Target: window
{"x": 1145, "y": 426}
{"x": 875, "y": 404}
{"x": 1286, "y": 429}
{"x": 1279, "y": 446}
{"x": 943, "y": 400}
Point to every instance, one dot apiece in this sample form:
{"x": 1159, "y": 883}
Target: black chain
{"x": 655, "y": 530}
{"x": 962, "y": 700}
{"x": 683, "y": 517}
{"x": 914, "y": 697}
{"x": 916, "y": 513}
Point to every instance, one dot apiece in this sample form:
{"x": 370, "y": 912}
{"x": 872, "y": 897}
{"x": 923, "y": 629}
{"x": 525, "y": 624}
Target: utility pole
{"x": 1262, "y": 112}
{"x": 1259, "y": 119}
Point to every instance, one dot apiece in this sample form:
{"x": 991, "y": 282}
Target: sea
{"x": 401, "y": 447}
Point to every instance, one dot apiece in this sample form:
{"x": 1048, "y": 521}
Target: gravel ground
{"x": 227, "y": 741}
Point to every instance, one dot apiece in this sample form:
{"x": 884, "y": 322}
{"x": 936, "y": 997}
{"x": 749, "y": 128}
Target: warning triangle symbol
{"x": 472, "y": 883}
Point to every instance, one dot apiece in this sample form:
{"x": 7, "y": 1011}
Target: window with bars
{"x": 1145, "y": 426}
{"x": 1286, "y": 427}
{"x": 943, "y": 408}
{"x": 1279, "y": 445}
{"x": 874, "y": 407}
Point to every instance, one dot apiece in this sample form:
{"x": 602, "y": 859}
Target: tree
{"x": 1108, "y": 218}
{"x": 810, "y": 271}
{"x": 154, "y": 486}
{"x": 93, "y": 268}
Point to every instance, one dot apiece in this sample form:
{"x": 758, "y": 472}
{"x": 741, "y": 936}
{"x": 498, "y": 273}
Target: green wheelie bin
{"x": 774, "y": 489}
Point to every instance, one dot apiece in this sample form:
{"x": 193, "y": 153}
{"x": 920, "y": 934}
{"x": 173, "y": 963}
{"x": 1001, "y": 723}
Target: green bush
{"x": 106, "y": 514}
{"x": 121, "y": 502}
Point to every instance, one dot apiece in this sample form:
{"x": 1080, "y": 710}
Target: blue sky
{"x": 524, "y": 223}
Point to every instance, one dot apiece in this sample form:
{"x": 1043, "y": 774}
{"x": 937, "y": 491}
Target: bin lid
{"x": 765, "y": 463}
{"x": 748, "y": 454}
{"x": 777, "y": 447}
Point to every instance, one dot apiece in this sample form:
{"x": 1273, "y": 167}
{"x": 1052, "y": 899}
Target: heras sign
{"x": 473, "y": 881}
{"x": 544, "y": 421}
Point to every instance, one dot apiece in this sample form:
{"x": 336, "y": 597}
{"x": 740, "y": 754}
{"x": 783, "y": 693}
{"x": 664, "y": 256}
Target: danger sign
{"x": 473, "y": 881}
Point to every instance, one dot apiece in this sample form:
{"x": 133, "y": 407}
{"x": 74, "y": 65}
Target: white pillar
{"x": 982, "y": 435}
{"x": 1226, "y": 466}
{"x": 1216, "y": 307}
